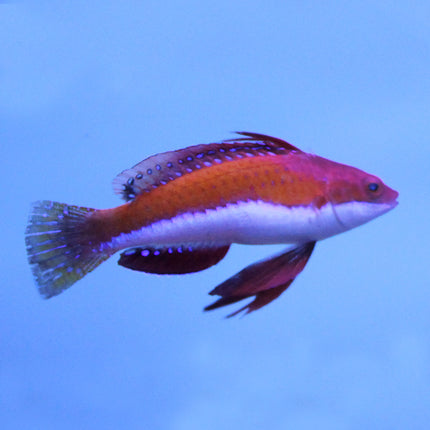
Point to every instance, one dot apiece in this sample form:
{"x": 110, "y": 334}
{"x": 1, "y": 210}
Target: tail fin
{"x": 59, "y": 246}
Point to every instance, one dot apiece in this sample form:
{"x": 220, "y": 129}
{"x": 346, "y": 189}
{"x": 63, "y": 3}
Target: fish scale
{"x": 185, "y": 208}
{"x": 246, "y": 179}
{"x": 163, "y": 168}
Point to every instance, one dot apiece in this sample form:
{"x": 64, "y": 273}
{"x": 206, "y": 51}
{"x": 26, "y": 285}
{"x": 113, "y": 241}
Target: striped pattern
{"x": 280, "y": 180}
{"x": 185, "y": 208}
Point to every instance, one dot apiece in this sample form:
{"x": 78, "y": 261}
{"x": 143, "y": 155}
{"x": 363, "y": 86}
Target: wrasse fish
{"x": 185, "y": 208}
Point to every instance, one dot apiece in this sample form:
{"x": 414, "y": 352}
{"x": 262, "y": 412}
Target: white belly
{"x": 252, "y": 223}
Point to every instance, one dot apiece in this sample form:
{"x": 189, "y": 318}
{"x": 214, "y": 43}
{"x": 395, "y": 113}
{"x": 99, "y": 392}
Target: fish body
{"x": 185, "y": 208}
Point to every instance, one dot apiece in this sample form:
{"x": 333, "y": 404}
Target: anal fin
{"x": 266, "y": 280}
{"x": 172, "y": 260}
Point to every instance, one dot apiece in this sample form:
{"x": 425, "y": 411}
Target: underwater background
{"x": 88, "y": 89}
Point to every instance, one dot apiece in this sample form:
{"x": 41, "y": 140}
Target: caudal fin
{"x": 59, "y": 246}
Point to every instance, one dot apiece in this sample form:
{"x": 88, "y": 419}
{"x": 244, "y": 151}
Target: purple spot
{"x": 139, "y": 176}
{"x": 145, "y": 253}
{"x": 180, "y": 161}
{"x": 200, "y": 155}
{"x": 158, "y": 167}
{"x": 149, "y": 171}
{"x": 180, "y": 250}
{"x": 170, "y": 250}
{"x": 233, "y": 149}
{"x": 222, "y": 150}
{"x": 211, "y": 152}
{"x": 130, "y": 181}
{"x": 189, "y": 158}
{"x": 156, "y": 252}
{"x": 169, "y": 165}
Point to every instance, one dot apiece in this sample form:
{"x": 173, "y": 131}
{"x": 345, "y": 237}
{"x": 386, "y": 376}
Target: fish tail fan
{"x": 60, "y": 246}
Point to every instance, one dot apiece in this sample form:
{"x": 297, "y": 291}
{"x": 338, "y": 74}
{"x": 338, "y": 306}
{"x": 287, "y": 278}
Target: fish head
{"x": 358, "y": 197}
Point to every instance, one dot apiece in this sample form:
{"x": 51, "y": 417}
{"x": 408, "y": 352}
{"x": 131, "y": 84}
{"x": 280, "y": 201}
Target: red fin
{"x": 266, "y": 279}
{"x": 162, "y": 168}
{"x": 264, "y": 139}
{"x": 172, "y": 260}
{"x": 263, "y": 298}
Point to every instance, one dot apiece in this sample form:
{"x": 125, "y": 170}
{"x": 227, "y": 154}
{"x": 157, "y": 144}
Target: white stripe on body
{"x": 251, "y": 223}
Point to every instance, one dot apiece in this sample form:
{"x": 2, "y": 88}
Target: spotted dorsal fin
{"x": 162, "y": 168}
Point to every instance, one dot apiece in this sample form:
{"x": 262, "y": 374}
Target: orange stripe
{"x": 270, "y": 179}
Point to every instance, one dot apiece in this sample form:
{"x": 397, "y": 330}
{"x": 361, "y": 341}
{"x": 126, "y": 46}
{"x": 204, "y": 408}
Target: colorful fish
{"x": 185, "y": 208}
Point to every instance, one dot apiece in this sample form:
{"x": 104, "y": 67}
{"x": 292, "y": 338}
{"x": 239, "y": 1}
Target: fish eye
{"x": 373, "y": 186}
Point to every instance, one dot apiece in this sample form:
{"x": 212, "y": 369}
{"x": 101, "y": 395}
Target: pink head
{"x": 356, "y": 196}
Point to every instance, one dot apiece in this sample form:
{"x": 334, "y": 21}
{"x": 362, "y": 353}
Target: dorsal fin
{"x": 165, "y": 167}
{"x": 263, "y": 138}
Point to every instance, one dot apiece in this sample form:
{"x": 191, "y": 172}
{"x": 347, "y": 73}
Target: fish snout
{"x": 357, "y": 212}
{"x": 389, "y": 196}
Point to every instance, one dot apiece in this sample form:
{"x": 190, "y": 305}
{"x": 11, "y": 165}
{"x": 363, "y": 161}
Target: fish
{"x": 185, "y": 208}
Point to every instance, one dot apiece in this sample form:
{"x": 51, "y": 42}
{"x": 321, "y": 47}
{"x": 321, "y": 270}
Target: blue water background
{"x": 87, "y": 89}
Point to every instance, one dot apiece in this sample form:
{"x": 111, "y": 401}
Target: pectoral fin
{"x": 265, "y": 280}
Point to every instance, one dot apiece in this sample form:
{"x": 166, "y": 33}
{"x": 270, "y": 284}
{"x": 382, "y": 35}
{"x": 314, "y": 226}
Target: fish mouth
{"x": 390, "y": 197}
{"x": 394, "y": 203}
